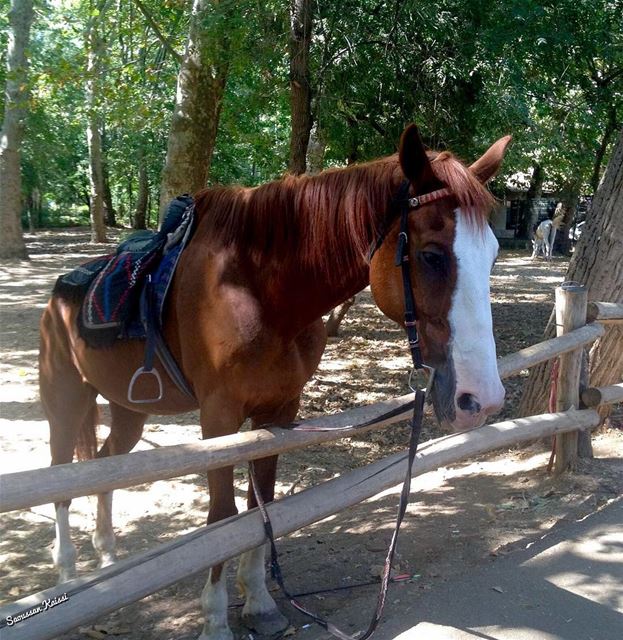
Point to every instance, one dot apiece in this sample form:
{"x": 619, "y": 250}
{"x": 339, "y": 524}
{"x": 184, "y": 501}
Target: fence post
{"x": 571, "y": 304}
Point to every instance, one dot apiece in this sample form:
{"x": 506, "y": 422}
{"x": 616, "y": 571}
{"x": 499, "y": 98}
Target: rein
{"x": 422, "y": 387}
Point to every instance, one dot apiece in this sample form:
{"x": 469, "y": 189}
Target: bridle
{"x": 405, "y": 204}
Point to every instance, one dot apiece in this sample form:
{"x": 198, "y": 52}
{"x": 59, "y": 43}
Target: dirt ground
{"x": 460, "y": 517}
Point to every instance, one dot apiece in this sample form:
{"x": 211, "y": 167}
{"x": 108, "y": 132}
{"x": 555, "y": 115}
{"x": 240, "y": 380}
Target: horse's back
{"x": 218, "y": 329}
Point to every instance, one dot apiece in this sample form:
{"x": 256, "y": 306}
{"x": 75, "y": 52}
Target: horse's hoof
{"x": 65, "y": 575}
{"x": 106, "y": 559}
{"x": 266, "y": 624}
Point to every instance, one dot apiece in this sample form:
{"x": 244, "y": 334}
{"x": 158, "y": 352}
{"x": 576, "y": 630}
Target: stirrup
{"x": 141, "y": 371}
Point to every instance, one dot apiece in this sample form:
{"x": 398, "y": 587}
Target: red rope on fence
{"x": 553, "y": 396}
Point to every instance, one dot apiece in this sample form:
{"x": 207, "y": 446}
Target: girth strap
{"x": 155, "y": 345}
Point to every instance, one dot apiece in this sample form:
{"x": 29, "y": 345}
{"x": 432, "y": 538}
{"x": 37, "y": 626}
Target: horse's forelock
{"x": 473, "y": 198}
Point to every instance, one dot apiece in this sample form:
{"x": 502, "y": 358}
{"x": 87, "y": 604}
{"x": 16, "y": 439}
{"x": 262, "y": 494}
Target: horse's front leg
{"x": 214, "y": 595}
{"x": 219, "y": 417}
{"x": 260, "y": 612}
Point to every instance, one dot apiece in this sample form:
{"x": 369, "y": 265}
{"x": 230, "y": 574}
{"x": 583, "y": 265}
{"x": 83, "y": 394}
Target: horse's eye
{"x": 434, "y": 260}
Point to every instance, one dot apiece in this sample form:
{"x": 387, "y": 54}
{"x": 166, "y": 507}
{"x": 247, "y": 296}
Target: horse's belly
{"x": 109, "y": 370}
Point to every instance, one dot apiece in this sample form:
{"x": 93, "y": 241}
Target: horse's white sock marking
{"x": 64, "y": 551}
{"x": 104, "y": 535}
{"x": 214, "y": 605}
{"x": 473, "y": 346}
{"x": 252, "y": 583}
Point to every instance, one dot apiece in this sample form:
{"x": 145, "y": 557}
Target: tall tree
{"x": 300, "y": 84}
{"x": 95, "y": 51}
{"x": 140, "y": 214}
{"x": 16, "y": 105}
{"x": 597, "y": 263}
{"x": 199, "y": 97}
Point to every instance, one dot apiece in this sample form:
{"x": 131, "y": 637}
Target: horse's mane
{"x": 328, "y": 220}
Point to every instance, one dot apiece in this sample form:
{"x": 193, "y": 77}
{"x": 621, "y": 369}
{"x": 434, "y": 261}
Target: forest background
{"x": 274, "y": 86}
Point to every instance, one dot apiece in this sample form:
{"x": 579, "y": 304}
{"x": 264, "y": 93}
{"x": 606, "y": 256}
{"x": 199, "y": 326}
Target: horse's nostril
{"x": 467, "y": 402}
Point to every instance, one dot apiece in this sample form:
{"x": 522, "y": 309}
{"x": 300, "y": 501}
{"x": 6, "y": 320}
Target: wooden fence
{"x": 86, "y": 599}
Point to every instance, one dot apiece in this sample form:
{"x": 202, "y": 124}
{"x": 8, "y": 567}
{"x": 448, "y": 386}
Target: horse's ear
{"x": 489, "y": 163}
{"x": 413, "y": 159}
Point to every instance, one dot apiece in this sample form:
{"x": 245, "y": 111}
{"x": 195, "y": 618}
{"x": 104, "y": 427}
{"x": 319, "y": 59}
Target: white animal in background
{"x": 544, "y": 236}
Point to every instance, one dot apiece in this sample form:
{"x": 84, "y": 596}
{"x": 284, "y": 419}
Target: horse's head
{"x": 452, "y": 250}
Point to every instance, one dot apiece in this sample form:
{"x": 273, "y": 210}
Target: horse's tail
{"x": 86, "y": 440}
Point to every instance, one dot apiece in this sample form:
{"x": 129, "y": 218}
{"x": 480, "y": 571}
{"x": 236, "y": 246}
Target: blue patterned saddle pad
{"x": 110, "y": 287}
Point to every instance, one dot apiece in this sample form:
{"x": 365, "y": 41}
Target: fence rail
{"x": 596, "y": 396}
{"x": 25, "y": 489}
{"x": 604, "y": 312}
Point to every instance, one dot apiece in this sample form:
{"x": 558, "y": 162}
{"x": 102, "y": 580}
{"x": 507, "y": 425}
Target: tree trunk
{"x": 611, "y": 127}
{"x": 95, "y": 46}
{"x": 569, "y": 199}
{"x": 535, "y": 191}
{"x": 140, "y": 214}
{"x": 300, "y": 85}
{"x": 597, "y": 263}
{"x": 315, "y": 150}
{"x": 16, "y": 93}
{"x": 200, "y": 87}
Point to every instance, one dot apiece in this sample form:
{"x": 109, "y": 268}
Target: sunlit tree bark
{"x": 300, "y": 85}
{"x": 200, "y": 86}
{"x": 95, "y": 48}
{"x": 16, "y": 105}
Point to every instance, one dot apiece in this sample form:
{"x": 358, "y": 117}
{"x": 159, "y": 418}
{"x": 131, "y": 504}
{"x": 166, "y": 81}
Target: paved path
{"x": 566, "y": 586}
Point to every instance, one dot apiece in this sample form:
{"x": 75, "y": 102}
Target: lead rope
{"x": 402, "y": 260}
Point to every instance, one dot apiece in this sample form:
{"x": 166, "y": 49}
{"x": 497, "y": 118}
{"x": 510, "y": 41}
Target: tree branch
{"x": 163, "y": 39}
{"x": 611, "y": 76}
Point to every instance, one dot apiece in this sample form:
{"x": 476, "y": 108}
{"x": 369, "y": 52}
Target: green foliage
{"x": 467, "y": 71}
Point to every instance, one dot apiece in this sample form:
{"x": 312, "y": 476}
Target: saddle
{"x": 123, "y": 294}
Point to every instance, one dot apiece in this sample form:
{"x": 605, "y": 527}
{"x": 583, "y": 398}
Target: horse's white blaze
{"x": 104, "y": 535}
{"x": 214, "y": 605}
{"x": 64, "y": 551}
{"x": 473, "y": 346}
{"x": 252, "y": 583}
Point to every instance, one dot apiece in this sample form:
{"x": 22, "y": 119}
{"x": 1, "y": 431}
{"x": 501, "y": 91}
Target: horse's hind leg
{"x": 125, "y": 431}
{"x": 72, "y": 414}
{"x": 260, "y": 612}
{"x": 64, "y": 434}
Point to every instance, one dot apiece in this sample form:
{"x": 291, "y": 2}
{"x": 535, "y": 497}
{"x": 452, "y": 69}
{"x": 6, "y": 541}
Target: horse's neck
{"x": 329, "y": 266}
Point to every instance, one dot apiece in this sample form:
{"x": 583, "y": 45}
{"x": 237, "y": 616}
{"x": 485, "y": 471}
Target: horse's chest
{"x": 274, "y": 369}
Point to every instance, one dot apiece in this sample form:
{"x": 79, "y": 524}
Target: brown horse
{"x": 244, "y": 324}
